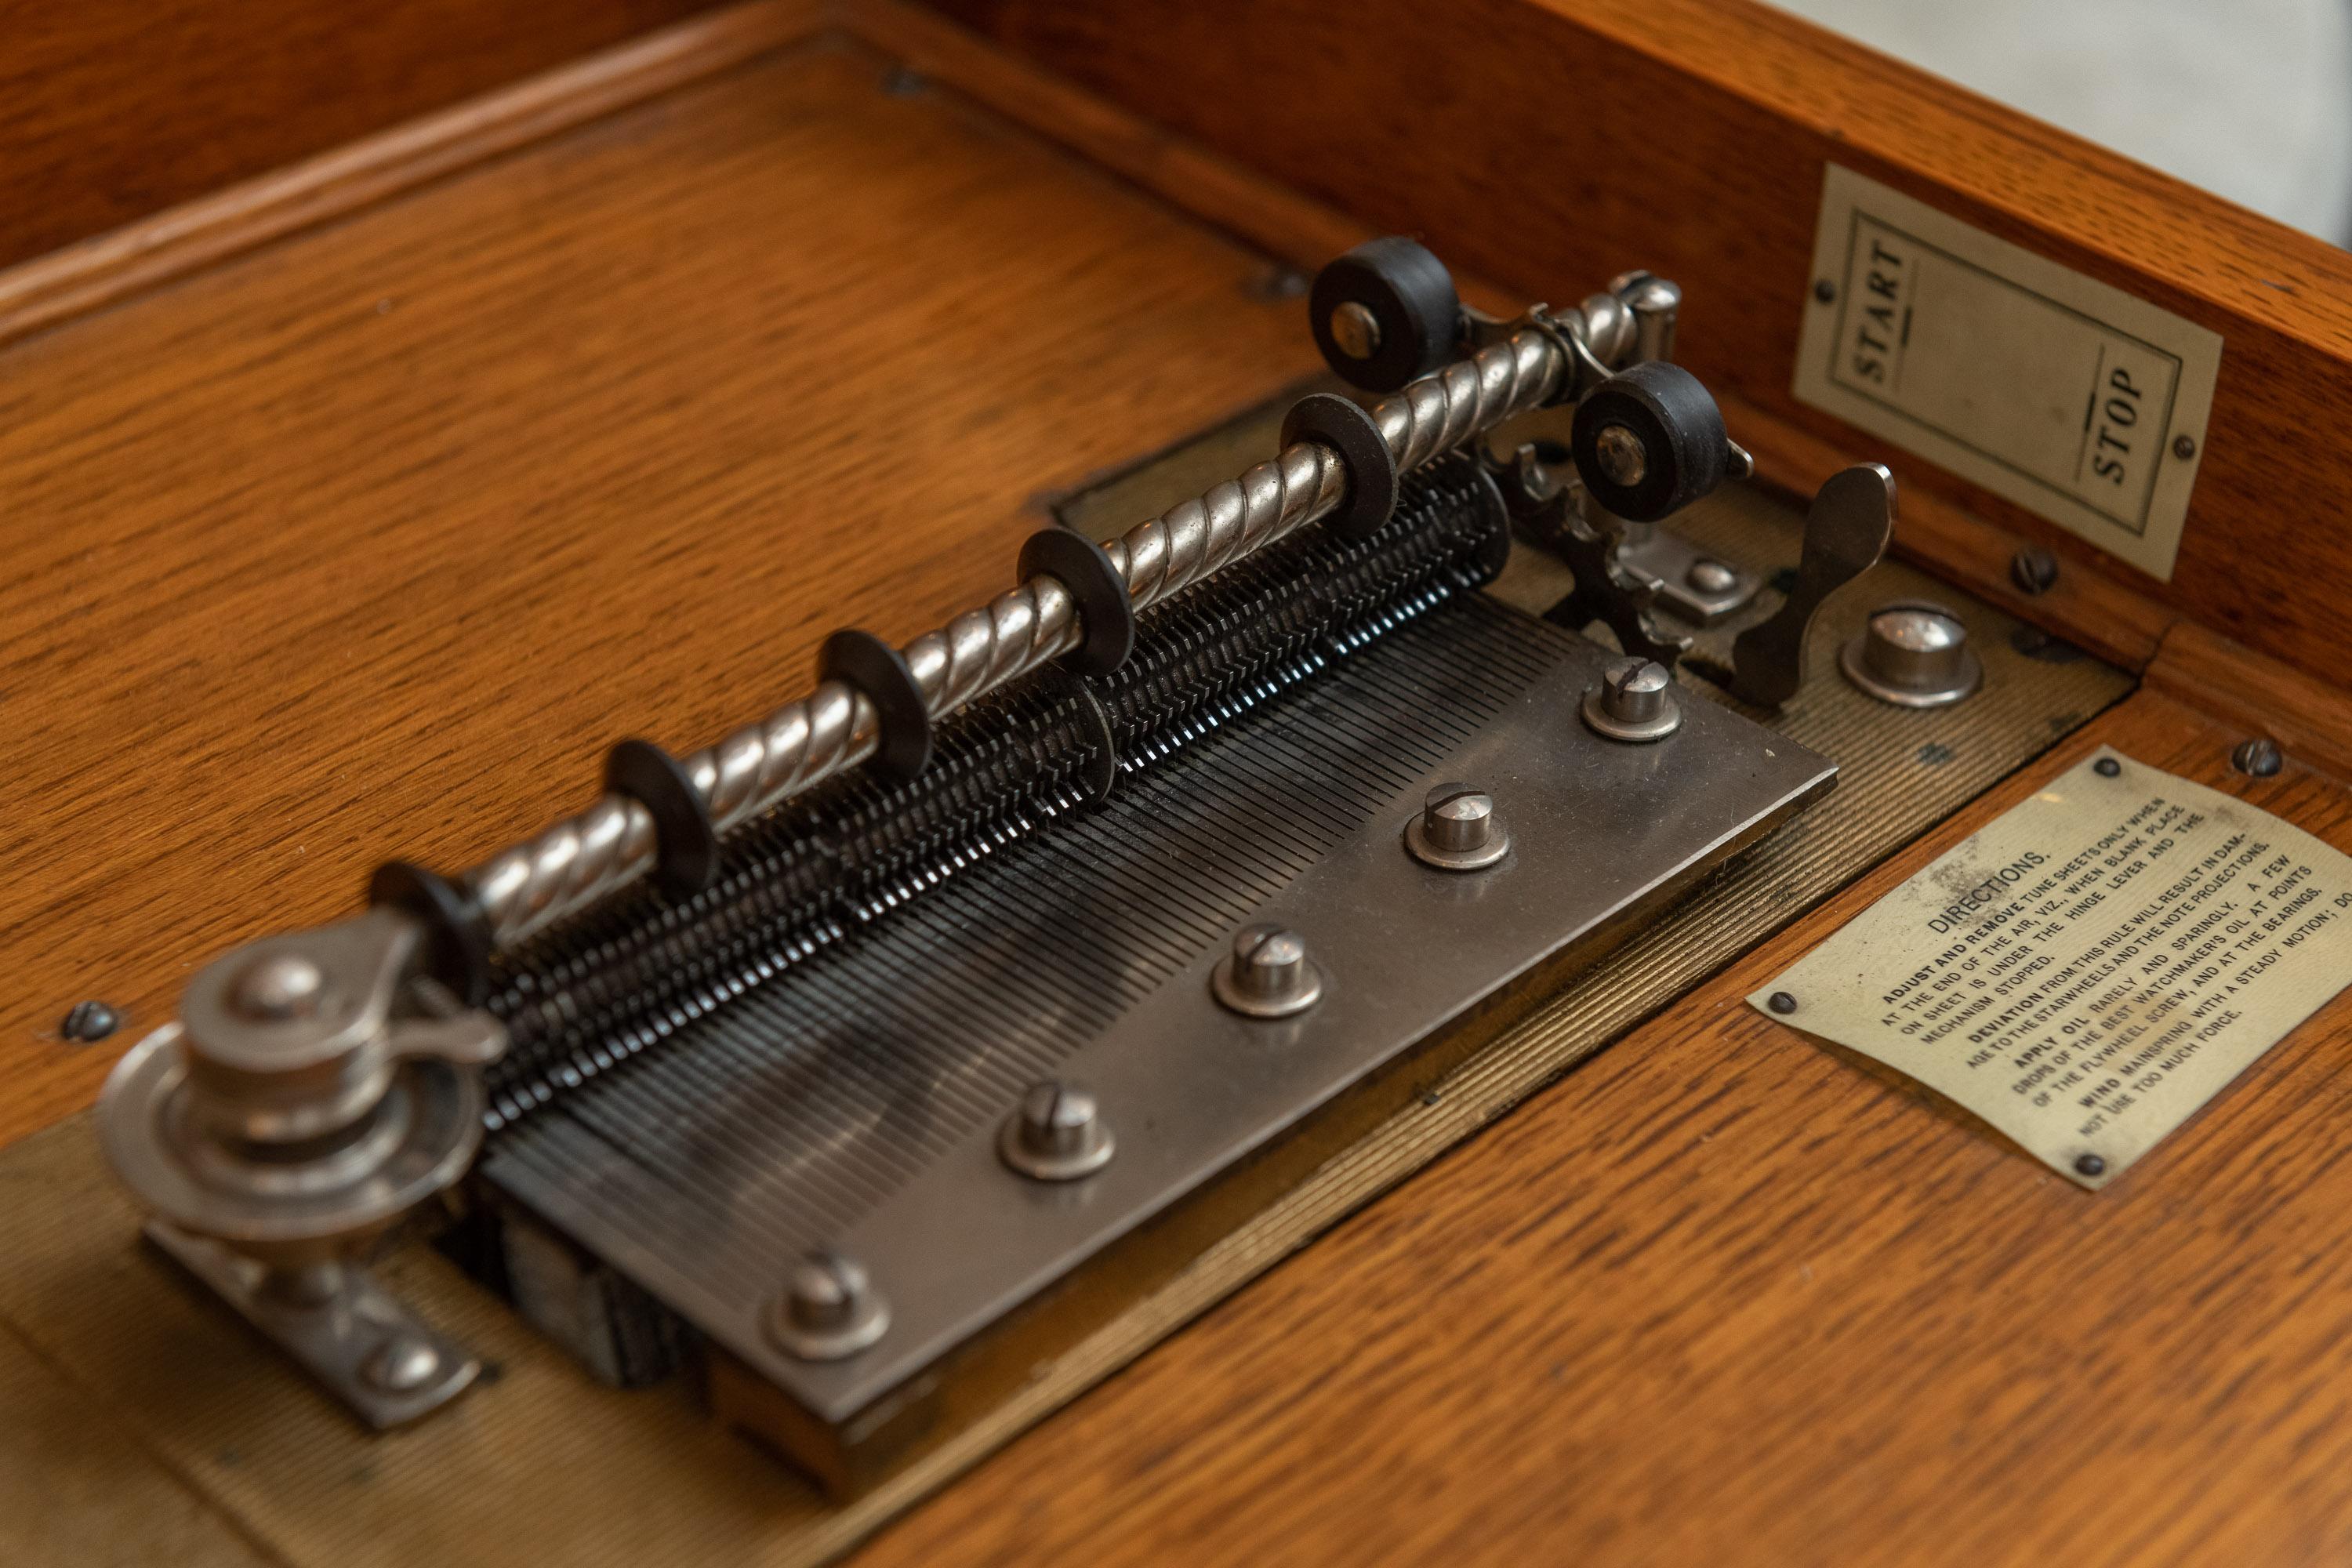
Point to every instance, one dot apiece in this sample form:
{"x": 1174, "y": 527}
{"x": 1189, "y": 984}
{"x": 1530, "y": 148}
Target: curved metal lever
{"x": 1847, "y": 531}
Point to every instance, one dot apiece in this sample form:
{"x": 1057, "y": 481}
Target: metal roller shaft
{"x": 584, "y": 859}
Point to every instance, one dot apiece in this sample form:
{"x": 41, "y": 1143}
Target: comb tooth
{"x": 831, "y": 1072}
{"x": 586, "y": 999}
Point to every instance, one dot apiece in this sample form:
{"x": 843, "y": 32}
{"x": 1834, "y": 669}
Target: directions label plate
{"x": 2092, "y": 966}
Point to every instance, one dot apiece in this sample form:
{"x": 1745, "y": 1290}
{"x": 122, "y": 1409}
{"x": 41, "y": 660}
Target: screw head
{"x": 1056, "y": 1134}
{"x": 2258, "y": 758}
{"x": 1356, "y": 330}
{"x": 2107, "y": 767}
{"x": 1457, "y": 817}
{"x": 2184, "y": 446}
{"x": 88, "y": 1021}
{"x": 277, "y": 988}
{"x": 1634, "y": 701}
{"x": 1268, "y": 973}
{"x": 828, "y": 1309}
{"x": 2034, "y": 570}
{"x": 1824, "y": 290}
{"x": 1621, "y": 455}
{"x": 1913, "y": 654}
{"x": 401, "y": 1363}
{"x": 2090, "y": 1166}
{"x": 1458, "y": 830}
{"x": 1710, "y": 576}
{"x": 1781, "y": 1001}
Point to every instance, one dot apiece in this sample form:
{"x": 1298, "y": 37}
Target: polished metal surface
{"x": 1268, "y": 975}
{"x": 1847, "y": 530}
{"x": 1599, "y": 832}
{"x": 1056, "y": 1134}
{"x": 310, "y": 1094}
{"x": 1633, "y": 701}
{"x": 1458, "y": 830}
{"x": 1621, "y": 455}
{"x": 381, "y": 1362}
{"x": 1914, "y": 653}
{"x": 1693, "y": 585}
{"x": 1356, "y": 330}
{"x": 828, "y": 1309}
{"x": 587, "y": 857}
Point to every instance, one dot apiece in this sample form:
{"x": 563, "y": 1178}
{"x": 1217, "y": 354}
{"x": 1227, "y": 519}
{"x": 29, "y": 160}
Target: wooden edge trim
{"x": 2311, "y": 721}
{"x": 1263, "y": 212}
{"x": 105, "y": 270}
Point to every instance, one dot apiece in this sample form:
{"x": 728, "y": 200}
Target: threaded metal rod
{"x": 585, "y": 858}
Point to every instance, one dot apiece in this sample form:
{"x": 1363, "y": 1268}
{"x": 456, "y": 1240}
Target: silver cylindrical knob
{"x": 829, "y": 1309}
{"x": 1634, "y": 701}
{"x": 1458, "y": 830}
{"x": 1057, "y": 1135}
{"x": 1913, "y": 654}
{"x": 1268, "y": 975}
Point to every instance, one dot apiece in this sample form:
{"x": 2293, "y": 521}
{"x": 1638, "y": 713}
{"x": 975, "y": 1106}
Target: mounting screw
{"x": 1824, "y": 290}
{"x": 1057, "y": 1135}
{"x": 2034, "y": 570}
{"x": 1269, "y": 974}
{"x": 1634, "y": 701}
{"x": 1781, "y": 1001}
{"x": 828, "y": 1309}
{"x": 402, "y": 1364}
{"x": 1356, "y": 330}
{"x": 2090, "y": 1166}
{"x": 1458, "y": 830}
{"x": 2107, "y": 767}
{"x": 2258, "y": 758}
{"x": 1707, "y": 575}
{"x": 1621, "y": 455}
{"x": 87, "y": 1021}
{"x": 2184, "y": 446}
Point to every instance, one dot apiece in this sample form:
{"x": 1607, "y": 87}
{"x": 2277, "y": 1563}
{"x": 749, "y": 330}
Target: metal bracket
{"x": 1693, "y": 585}
{"x": 386, "y": 1365}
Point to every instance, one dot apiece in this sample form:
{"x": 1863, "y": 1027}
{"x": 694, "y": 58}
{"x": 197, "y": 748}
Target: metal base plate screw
{"x": 1458, "y": 830}
{"x": 2034, "y": 570}
{"x": 1058, "y": 1135}
{"x": 1634, "y": 701}
{"x": 828, "y": 1310}
{"x": 1268, "y": 975}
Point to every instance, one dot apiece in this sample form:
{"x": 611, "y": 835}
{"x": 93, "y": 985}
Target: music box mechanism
{"x": 856, "y": 1063}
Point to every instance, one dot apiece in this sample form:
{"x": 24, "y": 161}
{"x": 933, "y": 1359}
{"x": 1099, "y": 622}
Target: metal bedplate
{"x": 855, "y": 1099}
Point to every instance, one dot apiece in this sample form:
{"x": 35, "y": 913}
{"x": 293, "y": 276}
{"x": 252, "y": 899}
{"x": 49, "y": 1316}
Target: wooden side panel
{"x": 1548, "y": 142}
{"x": 117, "y": 108}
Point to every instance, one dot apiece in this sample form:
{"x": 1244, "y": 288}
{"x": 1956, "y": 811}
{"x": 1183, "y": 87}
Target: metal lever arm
{"x": 1847, "y": 531}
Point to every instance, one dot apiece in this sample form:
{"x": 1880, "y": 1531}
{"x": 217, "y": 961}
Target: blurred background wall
{"x": 2250, "y": 99}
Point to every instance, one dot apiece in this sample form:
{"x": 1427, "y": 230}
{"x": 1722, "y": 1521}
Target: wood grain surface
{"x": 371, "y": 543}
{"x": 1724, "y": 1298}
{"x": 117, "y": 108}
{"x": 335, "y": 183}
{"x": 1546, "y": 143}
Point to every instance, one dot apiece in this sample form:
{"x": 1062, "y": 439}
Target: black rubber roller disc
{"x": 1371, "y": 472}
{"x": 1384, "y": 313}
{"x": 1649, "y": 441}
